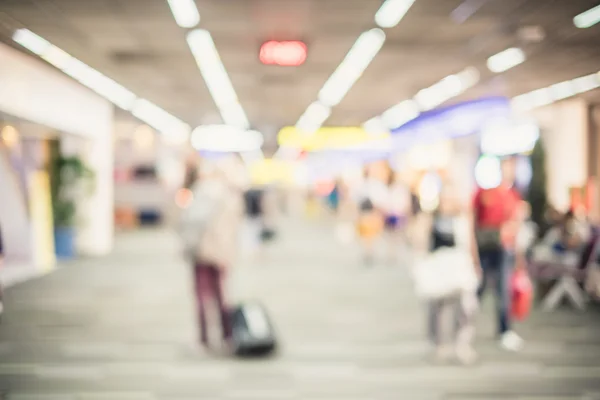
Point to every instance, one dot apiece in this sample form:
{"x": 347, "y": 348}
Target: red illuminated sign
{"x": 285, "y": 54}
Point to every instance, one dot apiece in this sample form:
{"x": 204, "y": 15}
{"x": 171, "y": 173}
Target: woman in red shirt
{"x": 496, "y": 226}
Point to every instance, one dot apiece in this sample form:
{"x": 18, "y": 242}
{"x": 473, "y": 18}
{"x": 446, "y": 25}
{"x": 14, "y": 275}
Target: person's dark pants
{"x": 208, "y": 285}
{"x": 497, "y": 265}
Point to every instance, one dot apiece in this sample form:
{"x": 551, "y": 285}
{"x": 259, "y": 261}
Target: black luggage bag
{"x": 252, "y": 331}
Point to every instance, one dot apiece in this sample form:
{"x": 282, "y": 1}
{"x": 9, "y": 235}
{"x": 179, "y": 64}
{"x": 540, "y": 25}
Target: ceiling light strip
{"x": 217, "y": 81}
{"x": 506, "y": 60}
{"x": 391, "y": 12}
{"x": 553, "y": 93}
{"x": 426, "y": 99}
{"x": 587, "y": 18}
{"x": 117, "y": 94}
{"x": 185, "y": 13}
{"x": 343, "y": 78}
{"x": 356, "y": 61}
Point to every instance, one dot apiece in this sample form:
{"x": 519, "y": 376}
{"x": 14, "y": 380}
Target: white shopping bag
{"x": 445, "y": 272}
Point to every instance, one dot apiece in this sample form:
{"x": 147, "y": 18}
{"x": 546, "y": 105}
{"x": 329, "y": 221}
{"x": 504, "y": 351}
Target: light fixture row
{"x": 500, "y": 62}
{"x": 151, "y": 114}
{"x": 353, "y": 66}
{"x": 209, "y": 62}
{"x": 426, "y": 99}
{"x": 558, "y": 91}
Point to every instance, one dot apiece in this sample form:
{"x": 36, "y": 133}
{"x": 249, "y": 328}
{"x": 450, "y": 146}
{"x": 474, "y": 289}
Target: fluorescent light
{"x": 562, "y": 90}
{"x": 185, "y": 13}
{"x": 233, "y": 114}
{"x": 31, "y": 41}
{"x": 588, "y": 18}
{"x": 313, "y": 117}
{"x": 556, "y": 92}
{"x": 120, "y": 96}
{"x": 446, "y": 89}
{"x": 226, "y": 138}
{"x": 400, "y": 114}
{"x": 469, "y": 77}
{"x": 159, "y": 119}
{"x": 57, "y": 57}
{"x": 79, "y": 71}
{"x": 531, "y": 100}
{"x": 391, "y": 12}
{"x": 99, "y": 83}
{"x": 429, "y": 98}
{"x": 586, "y": 83}
{"x": 375, "y": 126}
{"x": 352, "y": 67}
{"x": 318, "y": 112}
{"x": 506, "y": 60}
{"x": 541, "y": 97}
{"x": 219, "y": 85}
{"x": 212, "y": 69}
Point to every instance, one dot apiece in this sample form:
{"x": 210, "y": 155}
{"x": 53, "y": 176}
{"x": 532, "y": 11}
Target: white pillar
{"x": 95, "y": 236}
{"x": 35, "y": 92}
{"x": 564, "y": 128}
{"x": 462, "y": 166}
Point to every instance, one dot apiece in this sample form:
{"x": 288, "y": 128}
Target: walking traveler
{"x": 496, "y": 225}
{"x": 210, "y": 230}
{"x": 451, "y": 313}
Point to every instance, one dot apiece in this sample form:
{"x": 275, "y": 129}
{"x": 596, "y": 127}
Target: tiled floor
{"x": 122, "y": 328}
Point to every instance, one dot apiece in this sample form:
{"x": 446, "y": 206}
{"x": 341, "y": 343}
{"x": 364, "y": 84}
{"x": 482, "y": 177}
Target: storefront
{"x": 36, "y": 101}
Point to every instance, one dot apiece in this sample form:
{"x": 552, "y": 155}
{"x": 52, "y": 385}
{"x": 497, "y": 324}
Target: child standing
{"x": 451, "y": 325}
{"x": 370, "y": 225}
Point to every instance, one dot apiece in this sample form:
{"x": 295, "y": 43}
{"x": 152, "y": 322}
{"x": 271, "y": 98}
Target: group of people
{"x": 375, "y": 209}
{"x": 497, "y": 239}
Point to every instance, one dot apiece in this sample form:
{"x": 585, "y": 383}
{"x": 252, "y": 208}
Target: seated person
{"x": 566, "y": 241}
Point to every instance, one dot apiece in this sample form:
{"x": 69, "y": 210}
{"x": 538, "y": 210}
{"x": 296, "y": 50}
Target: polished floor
{"x": 122, "y": 328}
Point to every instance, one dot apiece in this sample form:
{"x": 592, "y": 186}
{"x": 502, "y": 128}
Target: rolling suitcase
{"x": 252, "y": 331}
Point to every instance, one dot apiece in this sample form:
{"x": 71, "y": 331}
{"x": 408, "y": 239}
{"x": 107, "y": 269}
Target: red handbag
{"x": 521, "y": 295}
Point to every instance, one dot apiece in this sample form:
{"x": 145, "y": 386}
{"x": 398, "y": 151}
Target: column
{"x": 564, "y": 128}
{"x": 95, "y": 231}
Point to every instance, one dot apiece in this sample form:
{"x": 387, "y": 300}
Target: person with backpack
{"x": 496, "y": 226}
{"x": 210, "y": 228}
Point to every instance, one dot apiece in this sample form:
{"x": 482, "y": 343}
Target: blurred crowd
{"x": 455, "y": 249}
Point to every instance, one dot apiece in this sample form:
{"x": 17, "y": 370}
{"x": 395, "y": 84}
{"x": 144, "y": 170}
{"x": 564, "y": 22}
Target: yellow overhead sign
{"x": 269, "y": 171}
{"x": 327, "y": 138}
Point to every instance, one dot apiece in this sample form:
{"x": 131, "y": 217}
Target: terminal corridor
{"x": 123, "y": 327}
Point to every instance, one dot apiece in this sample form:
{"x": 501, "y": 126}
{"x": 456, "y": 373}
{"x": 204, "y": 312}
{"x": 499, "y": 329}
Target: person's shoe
{"x": 510, "y": 341}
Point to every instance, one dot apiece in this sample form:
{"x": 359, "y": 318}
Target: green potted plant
{"x": 537, "y": 194}
{"x": 70, "y": 180}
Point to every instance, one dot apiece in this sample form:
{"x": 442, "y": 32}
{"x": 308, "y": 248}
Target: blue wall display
{"x": 462, "y": 119}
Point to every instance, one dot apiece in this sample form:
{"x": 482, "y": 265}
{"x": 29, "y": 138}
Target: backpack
{"x": 196, "y": 218}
